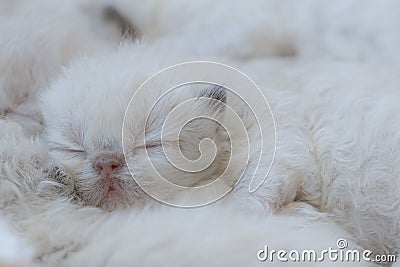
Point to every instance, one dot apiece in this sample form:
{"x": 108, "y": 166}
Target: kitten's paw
{"x": 58, "y": 174}
{"x": 58, "y": 183}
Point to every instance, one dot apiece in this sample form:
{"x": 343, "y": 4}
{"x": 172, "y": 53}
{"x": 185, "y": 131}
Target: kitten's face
{"x": 84, "y": 112}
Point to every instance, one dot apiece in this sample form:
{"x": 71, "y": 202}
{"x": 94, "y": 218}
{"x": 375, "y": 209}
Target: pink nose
{"x": 106, "y": 165}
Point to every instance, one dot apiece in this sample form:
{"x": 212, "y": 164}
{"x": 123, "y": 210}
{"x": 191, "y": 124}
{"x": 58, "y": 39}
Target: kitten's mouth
{"x": 113, "y": 197}
{"x": 114, "y": 192}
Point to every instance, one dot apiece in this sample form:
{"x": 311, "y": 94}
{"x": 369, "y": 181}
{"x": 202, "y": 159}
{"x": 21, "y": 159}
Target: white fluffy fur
{"x": 230, "y": 29}
{"x": 65, "y": 234}
{"x": 13, "y": 250}
{"x": 36, "y": 40}
{"x": 337, "y": 130}
{"x": 23, "y": 160}
{"x": 49, "y": 35}
{"x": 338, "y": 148}
{"x": 214, "y": 236}
{"x": 345, "y": 29}
{"x": 336, "y": 142}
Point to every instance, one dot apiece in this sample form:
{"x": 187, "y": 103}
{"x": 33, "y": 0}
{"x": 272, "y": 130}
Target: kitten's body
{"x": 13, "y": 250}
{"x": 338, "y": 146}
{"x": 257, "y": 28}
{"x": 66, "y": 234}
{"x": 73, "y": 236}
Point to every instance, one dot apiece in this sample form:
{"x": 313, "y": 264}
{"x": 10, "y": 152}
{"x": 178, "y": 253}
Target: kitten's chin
{"x": 114, "y": 199}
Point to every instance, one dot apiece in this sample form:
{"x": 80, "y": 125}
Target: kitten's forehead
{"x": 92, "y": 95}
{"x": 95, "y": 87}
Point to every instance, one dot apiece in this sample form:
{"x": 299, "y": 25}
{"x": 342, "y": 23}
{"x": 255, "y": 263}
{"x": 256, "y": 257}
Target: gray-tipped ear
{"x": 214, "y": 92}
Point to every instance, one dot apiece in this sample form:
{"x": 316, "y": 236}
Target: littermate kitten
{"x": 37, "y": 40}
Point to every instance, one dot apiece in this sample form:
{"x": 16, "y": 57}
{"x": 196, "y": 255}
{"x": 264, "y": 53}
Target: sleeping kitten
{"x": 36, "y": 40}
{"x": 337, "y": 138}
{"x": 84, "y": 111}
{"x": 260, "y": 28}
{"x": 222, "y": 28}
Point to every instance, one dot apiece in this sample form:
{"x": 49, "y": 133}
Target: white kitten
{"x": 36, "y": 40}
{"x": 257, "y": 28}
{"x": 330, "y": 148}
{"x": 84, "y": 111}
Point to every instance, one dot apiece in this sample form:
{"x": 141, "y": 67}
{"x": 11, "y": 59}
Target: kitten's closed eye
{"x": 68, "y": 149}
{"x": 152, "y": 145}
{"x": 71, "y": 150}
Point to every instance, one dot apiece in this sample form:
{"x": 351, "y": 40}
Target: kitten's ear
{"x": 215, "y": 92}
